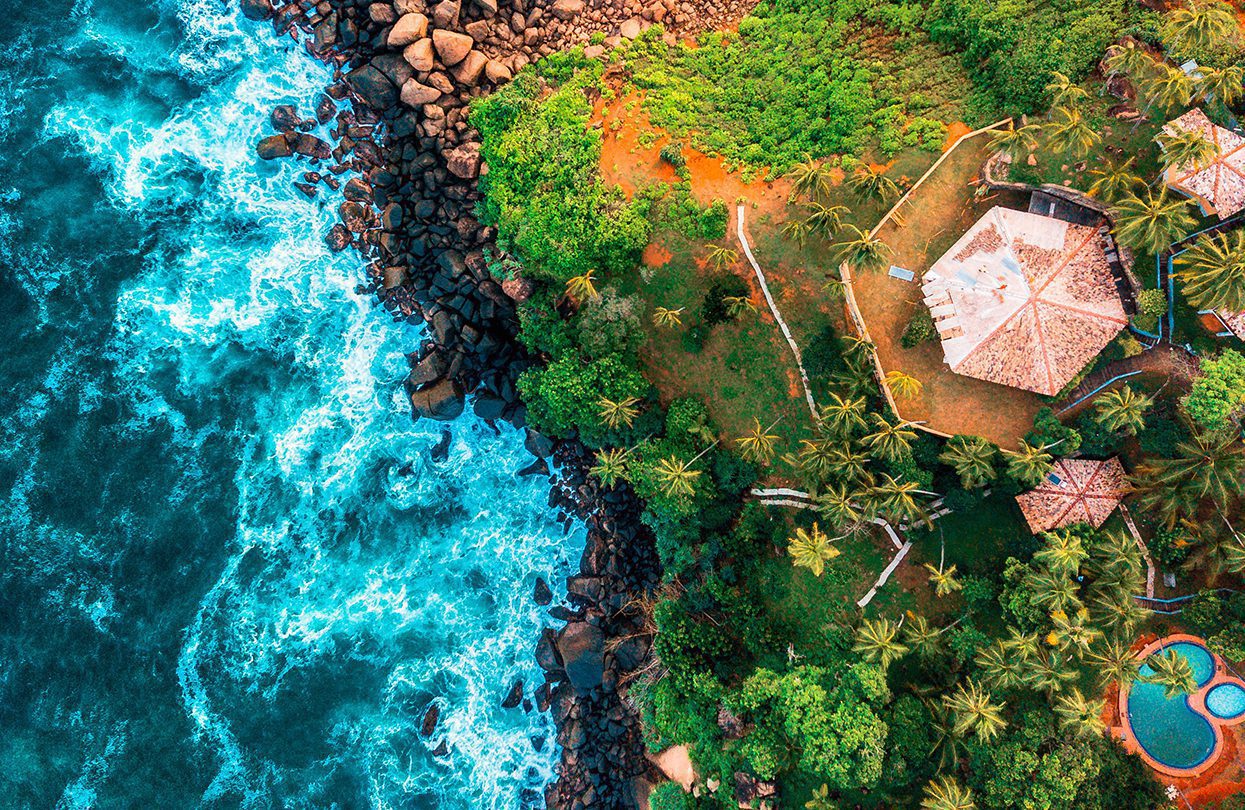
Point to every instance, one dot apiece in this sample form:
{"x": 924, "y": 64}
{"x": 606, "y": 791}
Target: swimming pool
{"x": 1226, "y": 701}
{"x": 1182, "y": 735}
{"x": 1167, "y": 728}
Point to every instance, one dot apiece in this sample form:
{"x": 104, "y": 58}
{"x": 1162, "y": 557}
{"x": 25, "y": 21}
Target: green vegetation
{"x": 978, "y": 682}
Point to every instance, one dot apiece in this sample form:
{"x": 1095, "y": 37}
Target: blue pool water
{"x": 219, "y": 587}
{"x": 1227, "y": 700}
{"x": 1167, "y": 728}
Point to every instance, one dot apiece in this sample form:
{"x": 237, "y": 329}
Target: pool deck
{"x": 1222, "y": 773}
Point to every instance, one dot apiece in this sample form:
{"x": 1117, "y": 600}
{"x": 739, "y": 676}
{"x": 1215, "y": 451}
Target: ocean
{"x": 232, "y": 575}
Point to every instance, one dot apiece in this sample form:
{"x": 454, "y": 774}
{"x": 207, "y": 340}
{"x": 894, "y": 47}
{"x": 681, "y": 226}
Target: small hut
{"x": 1024, "y": 300}
{"x": 1218, "y": 186}
{"x": 1076, "y": 490}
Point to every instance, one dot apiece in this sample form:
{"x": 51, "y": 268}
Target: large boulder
{"x": 273, "y": 147}
{"x": 257, "y": 9}
{"x": 452, "y": 46}
{"x": 470, "y": 69}
{"x": 566, "y": 9}
{"x": 420, "y": 55}
{"x": 582, "y": 647}
{"x": 442, "y": 401}
{"x": 372, "y": 86}
{"x": 416, "y": 94}
{"x": 464, "y": 161}
{"x": 409, "y": 28}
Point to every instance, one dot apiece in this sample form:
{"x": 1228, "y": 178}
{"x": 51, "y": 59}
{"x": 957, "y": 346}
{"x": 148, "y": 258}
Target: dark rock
{"x": 441, "y": 450}
{"x": 442, "y": 750}
{"x": 273, "y": 147}
{"x": 464, "y": 161}
{"x": 582, "y": 647}
{"x": 538, "y": 467}
{"x": 429, "y": 369}
{"x": 312, "y": 147}
{"x": 257, "y": 9}
{"x": 538, "y": 444}
{"x": 373, "y": 87}
{"x": 338, "y": 238}
{"x": 547, "y": 656}
{"x": 442, "y": 401}
{"x": 284, "y": 118}
{"x": 631, "y": 653}
{"x": 489, "y": 407}
{"x": 430, "y": 720}
{"x": 542, "y": 595}
{"x": 514, "y": 697}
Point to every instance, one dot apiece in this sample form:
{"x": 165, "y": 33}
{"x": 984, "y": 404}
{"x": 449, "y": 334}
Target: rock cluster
{"x": 396, "y": 122}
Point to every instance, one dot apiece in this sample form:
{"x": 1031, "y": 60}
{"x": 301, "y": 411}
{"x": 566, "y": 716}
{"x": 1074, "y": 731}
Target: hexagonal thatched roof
{"x": 1218, "y": 186}
{"x": 1076, "y": 490}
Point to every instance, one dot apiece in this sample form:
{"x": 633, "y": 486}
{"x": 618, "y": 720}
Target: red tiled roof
{"x": 1087, "y": 492}
{"x": 1218, "y": 186}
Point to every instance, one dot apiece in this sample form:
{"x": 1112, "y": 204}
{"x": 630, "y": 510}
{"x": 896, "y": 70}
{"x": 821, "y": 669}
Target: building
{"x": 1218, "y": 186}
{"x": 1024, "y": 300}
{"x": 1076, "y": 490}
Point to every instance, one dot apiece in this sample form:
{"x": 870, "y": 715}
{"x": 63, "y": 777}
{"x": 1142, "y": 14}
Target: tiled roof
{"x": 1023, "y": 300}
{"x": 1235, "y": 321}
{"x": 1075, "y": 491}
{"x": 1218, "y": 186}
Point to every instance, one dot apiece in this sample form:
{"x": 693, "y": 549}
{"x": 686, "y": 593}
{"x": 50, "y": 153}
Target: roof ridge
{"x": 1041, "y": 342}
{"x": 1086, "y": 312}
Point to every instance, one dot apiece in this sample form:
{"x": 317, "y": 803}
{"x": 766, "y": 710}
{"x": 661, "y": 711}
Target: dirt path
{"x": 1173, "y": 363}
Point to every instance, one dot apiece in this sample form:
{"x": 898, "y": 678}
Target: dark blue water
{"x": 219, "y": 589}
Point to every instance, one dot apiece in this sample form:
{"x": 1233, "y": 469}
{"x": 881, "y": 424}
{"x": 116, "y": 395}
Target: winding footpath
{"x": 773, "y": 308}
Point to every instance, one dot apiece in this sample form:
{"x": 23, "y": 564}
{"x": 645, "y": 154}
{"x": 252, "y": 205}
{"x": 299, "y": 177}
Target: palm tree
{"x": 872, "y": 182}
{"x": 898, "y": 500}
{"x": 1000, "y": 667}
{"x": 843, "y": 416}
{"x": 1028, "y": 465}
{"x": 1053, "y": 590}
{"x": 798, "y": 231}
{"x": 838, "y": 506}
{"x": 972, "y": 457}
{"x": 862, "y": 249}
{"x": 1048, "y": 673}
{"x": 1115, "y": 662}
{"x": 610, "y": 467}
{"x": 890, "y": 442}
{"x": 924, "y": 639}
{"x": 810, "y": 178}
{"x": 1199, "y": 24}
{"x": 1173, "y": 672}
{"x": 821, "y": 799}
{"x": 583, "y": 287}
{"x": 1186, "y": 149}
{"x": 1117, "y": 610}
{"x": 902, "y": 385}
{"x": 1130, "y": 60}
{"x": 947, "y": 741}
{"x": 1115, "y": 182}
{"x": 618, "y": 414}
{"x": 737, "y": 305}
{"x": 856, "y": 347}
{"x": 668, "y": 318}
{"x": 1212, "y": 271}
{"x": 1167, "y": 88}
{"x": 721, "y": 256}
{"x": 1122, "y": 409}
{"x": 1064, "y": 91}
{"x": 1014, "y": 139}
{"x": 1080, "y": 717}
{"x": 943, "y": 580}
{"x": 825, "y": 219}
{"x": 944, "y": 793}
{"x": 1023, "y": 645}
{"x": 848, "y": 464}
{"x": 811, "y": 550}
{"x": 877, "y": 642}
{"x": 976, "y": 711}
{"x": 1226, "y": 85}
{"x": 1063, "y": 552}
{"x": 1153, "y": 222}
{"x": 814, "y": 458}
{"x": 1207, "y": 467}
{"x": 677, "y": 476}
{"x": 1069, "y": 133}
{"x": 758, "y": 444}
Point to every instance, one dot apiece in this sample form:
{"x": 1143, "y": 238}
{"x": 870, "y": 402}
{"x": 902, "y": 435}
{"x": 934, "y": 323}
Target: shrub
{"x": 1162, "y": 432}
{"x": 672, "y": 153}
{"x": 920, "y": 328}
{"x": 1218, "y": 395}
{"x": 1151, "y": 305}
{"x": 1202, "y": 611}
{"x": 1169, "y": 546}
{"x": 1048, "y": 431}
{"x": 564, "y": 397}
{"x": 1097, "y": 441}
{"x": 611, "y": 325}
{"x": 728, "y": 286}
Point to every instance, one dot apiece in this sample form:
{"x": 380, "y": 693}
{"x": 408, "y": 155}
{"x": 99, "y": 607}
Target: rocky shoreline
{"x": 408, "y": 70}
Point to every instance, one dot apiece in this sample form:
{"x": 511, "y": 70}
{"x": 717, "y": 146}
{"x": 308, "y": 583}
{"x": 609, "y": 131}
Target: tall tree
{"x": 975, "y": 711}
{"x": 903, "y": 386}
{"x": 1079, "y": 716}
{"x": 1173, "y": 672}
{"x": 810, "y": 178}
{"x": 676, "y": 476}
{"x": 1186, "y": 149}
{"x": 945, "y": 793}
{"x": 721, "y": 256}
{"x": 669, "y": 318}
{"x": 620, "y": 413}
{"x": 1069, "y": 133}
{"x": 1122, "y": 409}
{"x": 811, "y": 550}
{"x": 583, "y": 287}
{"x": 862, "y": 249}
{"x": 1153, "y": 222}
{"x": 923, "y": 638}
{"x": 872, "y": 182}
{"x": 1168, "y": 88}
{"x": 1014, "y": 140}
{"x": 843, "y": 415}
{"x": 1198, "y": 24}
{"x": 878, "y": 642}
{"x": 1063, "y": 91}
{"x": 972, "y": 458}
{"x": 1028, "y": 465}
{"x": 758, "y": 444}
{"x": 825, "y": 220}
{"x": 1212, "y": 271}
{"x": 1115, "y": 182}
{"x": 1062, "y": 553}
{"x": 897, "y": 499}
{"x": 1205, "y": 473}
{"x": 1225, "y": 85}
{"x": 611, "y": 465}
{"x": 890, "y": 442}
{"x": 1115, "y": 662}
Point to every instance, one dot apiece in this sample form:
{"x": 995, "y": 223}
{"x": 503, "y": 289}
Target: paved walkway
{"x": 1145, "y": 552}
{"x": 773, "y": 308}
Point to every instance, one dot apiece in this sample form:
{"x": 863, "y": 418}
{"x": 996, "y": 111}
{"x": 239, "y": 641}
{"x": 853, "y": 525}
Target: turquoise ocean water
{"x": 220, "y": 588}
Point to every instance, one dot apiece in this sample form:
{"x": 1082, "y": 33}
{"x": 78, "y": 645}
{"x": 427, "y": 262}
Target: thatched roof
{"x": 1024, "y": 300}
{"x": 1075, "y": 491}
{"x": 1218, "y": 186}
